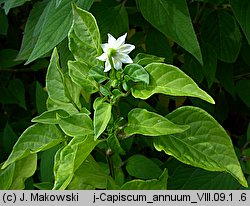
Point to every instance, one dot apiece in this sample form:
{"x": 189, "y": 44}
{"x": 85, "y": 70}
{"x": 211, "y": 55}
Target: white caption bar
{"x": 126, "y": 198}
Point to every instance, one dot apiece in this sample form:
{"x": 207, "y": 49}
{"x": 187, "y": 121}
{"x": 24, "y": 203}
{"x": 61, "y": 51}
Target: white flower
{"x": 117, "y": 51}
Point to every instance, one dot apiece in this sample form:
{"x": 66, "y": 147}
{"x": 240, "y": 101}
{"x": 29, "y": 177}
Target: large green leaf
{"x": 141, "y": 121}
{"x": 114, "y": 144}
{"x": 55, "y": 80}
{"x": 154, "y": 184}
{"x": 36, "y": 138}
{"x": 49, "y": 117}
{"x": 76, "y": 125}
{"x": 12, "y": 4}
{"x": 221, "y": 31}
{"x": 13, "y": 176}
{"x": 142, "y": 167}
{"x": 46, "y": 166}
{"x": 205, "y": 145}
{"x": 55, "y": 26}
{"x": 186, "y": 177}
{"x": 89, "y": 173}
{"x": 6, "y": 176}
{"x": 69, "y": 159}
{"x": 24, "y": 168}
{"x": 192, "y": 68}
{"x": 84, "y": 37}
{"x": 47, "y": 26}
{"x": 145, "y": 59}
{"x": 136, "y": 73}
{"x": 73, "y": 91}
{"x": 79, "y": 73}
{"x": 111, "y": 19}
{"x": 32, "y": 29}
{"x": 102, "y": 115}
{"x": 210, "y": 63}
{"x": 69, "y": 107}
{"x": 173, "y": 20}
{"x": 241, "y": 9}
{"x": 169, "y": 80}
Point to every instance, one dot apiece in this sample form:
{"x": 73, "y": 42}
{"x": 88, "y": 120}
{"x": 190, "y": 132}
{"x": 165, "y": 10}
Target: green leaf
{"x": 141, "y": 121}
{"x": 118, "y": 173}
{"x": 44, "y": 185}
{"x": 241, "y": 9}
{"x": 169, "y": 80}
{"x": 221, "y": 31}
{"x": 114, "y": 144}
{"x": 47, "y": 26}
{"x": 79, "y": 74}
{"x": 192, "y": 68}
{"x": 47, "y": 164}
{"x": 205, "y": 145}
{"x": 243, "y": 88}
{"x": 89, "y": 173}
{"x": 13, "y": 176}
{"x": 102, "y": 115}
{"x": 173, "y": 20}
{"x": 32, "y": 29}
{"x": 69, "y": 159}
{"x": 9, "y": 139}
{"x": 97, "y": 72}
{"x": 55, "y": 80}
{"x": 111, "y": 19}
{"x": 154, "y": 184}
{"x": 210, "y": 63}
{"x": 69, "y": 107}
{"x": 185, "y": 177}
{"x": 76, "y": 125}
{"x": 38, "y": 137}
{"x": 49, "y": 117}
{"x": 142, "y": 167}
{"x": 145, "y": 59}
{"x": 136, "y": 73}
{"x": 12, "y": 4}
{"x": 73, "y": 91}
{"x": 84, "y": 37}
{"x": 24, "y": 168}
{"x": 55, "y": 27}
{"x": 6, "y": 176}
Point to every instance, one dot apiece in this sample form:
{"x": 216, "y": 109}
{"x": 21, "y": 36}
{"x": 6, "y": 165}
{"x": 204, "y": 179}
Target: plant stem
{"x": 111, "y": 167}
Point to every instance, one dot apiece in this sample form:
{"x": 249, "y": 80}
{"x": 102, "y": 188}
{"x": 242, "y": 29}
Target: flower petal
{"x": 105, "y": 47}
{"x": 120, "y": 41}
{"x": 103, "y": 57}
{"x": 117, "y": 63}
{"x": 107, "y": 66}
{"x": 124, "y": 58}
{"x": 111, "y": 41}
{"x": 126, "y": 48}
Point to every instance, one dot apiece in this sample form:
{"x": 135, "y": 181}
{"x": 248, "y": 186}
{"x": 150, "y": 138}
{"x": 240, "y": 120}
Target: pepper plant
{"x": 99, "y": 112}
